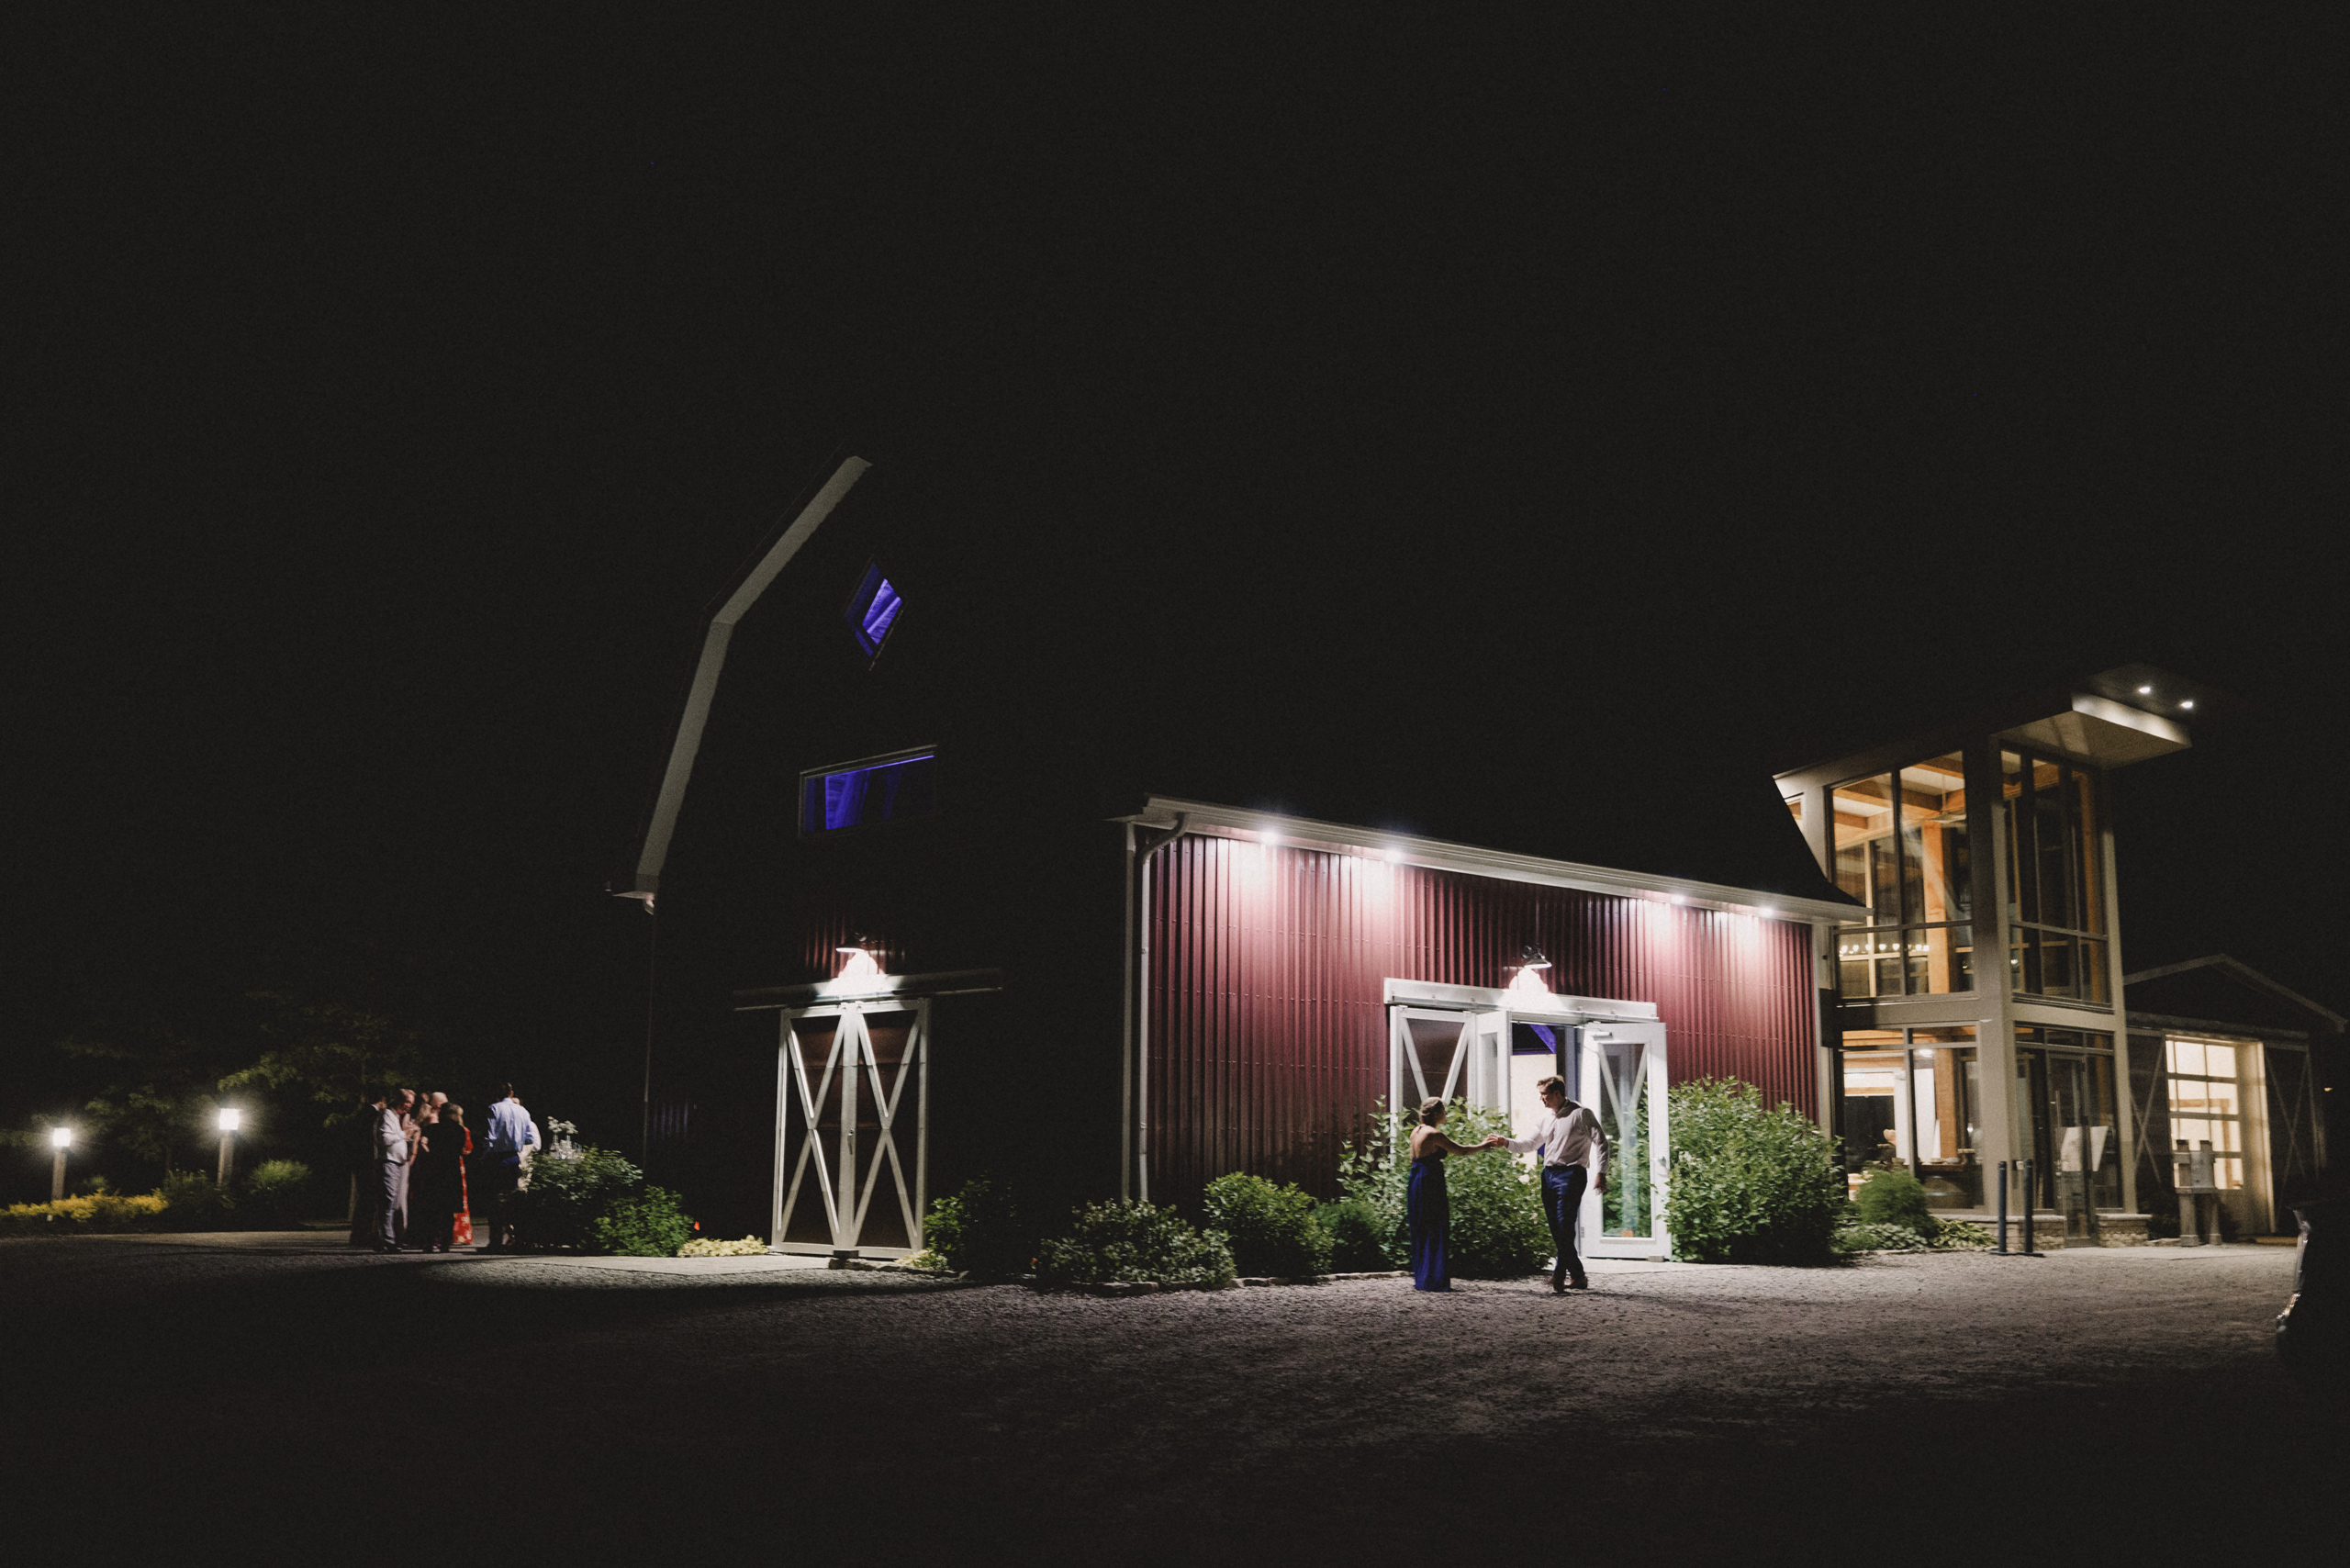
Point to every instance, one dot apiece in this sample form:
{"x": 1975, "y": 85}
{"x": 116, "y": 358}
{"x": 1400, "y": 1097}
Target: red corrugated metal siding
{"x": 1268, "y": 1032}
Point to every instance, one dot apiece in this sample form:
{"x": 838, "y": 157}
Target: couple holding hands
{"x": 1573, "y": 1149}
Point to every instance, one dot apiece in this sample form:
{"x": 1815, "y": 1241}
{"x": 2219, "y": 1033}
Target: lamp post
{"x": 228, "y": 1144}
{"x": 60, "y": 1139}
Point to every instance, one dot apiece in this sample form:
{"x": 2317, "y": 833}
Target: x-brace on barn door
{"x": 851, "y": 1113}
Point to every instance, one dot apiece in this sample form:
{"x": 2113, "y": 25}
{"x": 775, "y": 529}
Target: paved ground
{"x": 190, "y": 1390}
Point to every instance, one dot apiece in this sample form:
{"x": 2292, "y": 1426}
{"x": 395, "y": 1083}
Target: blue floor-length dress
{"x": 1429, "y": 1206}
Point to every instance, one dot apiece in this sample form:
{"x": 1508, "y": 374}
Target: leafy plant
{"x": 982, "y": 1229}
{"x": 1132, "y": 1240}
{"x": 274, "y": 1193}
{"x": 749, "y": 1247}
{"x": 1356, "y": 1242}
{"x": 193, "y": 1201}
{"x": 1880, "y": 1235}
{"x": 1750, "y": 1184}
{"x": 567, "y": 1197}
{"x": 91, "y": 1213}
{"x": 1269, "y": 1229}
{"x": 1498, "y": 1232}
{"x": 647, "y": 1224}
{"x": 1894, "y": 1197}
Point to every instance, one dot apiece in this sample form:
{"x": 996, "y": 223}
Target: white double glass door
{"x": 1493, "y": 1057}
{"x": 851, "y": 1103}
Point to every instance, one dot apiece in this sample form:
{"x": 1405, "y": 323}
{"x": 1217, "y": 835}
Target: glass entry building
{"x": 1979, "y": 984}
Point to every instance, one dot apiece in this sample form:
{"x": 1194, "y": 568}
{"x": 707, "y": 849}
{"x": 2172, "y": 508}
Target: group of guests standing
{"x": 414, "y": 1190}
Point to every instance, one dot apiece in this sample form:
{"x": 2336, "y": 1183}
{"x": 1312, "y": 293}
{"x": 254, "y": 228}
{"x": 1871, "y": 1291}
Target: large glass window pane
{"x": 2015, "y": 794}
{"x": 2090, "y": 957}
{"x": 2054, "y": 870}
{"x": 2088, "y": 851}
{"x": 1943, "y": 1084}
{"x": 2220, "y": 1060}
{"x": 2105, "y": 1137}
{"x": 1876, "y": 1116}
{"x": 2058, "y": 973}
{"x": 1865, "y": 863}
{"x": 1942, "y": 958}
{"x": 1935, "y": 881}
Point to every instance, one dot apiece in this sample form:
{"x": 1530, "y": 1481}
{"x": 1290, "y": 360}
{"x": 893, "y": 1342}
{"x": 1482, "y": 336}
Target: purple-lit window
{"x": 872, "y": 610}
{"x": 860, "y": 794}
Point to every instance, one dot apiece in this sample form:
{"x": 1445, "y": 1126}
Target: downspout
{"x": 1134, "y": 1154}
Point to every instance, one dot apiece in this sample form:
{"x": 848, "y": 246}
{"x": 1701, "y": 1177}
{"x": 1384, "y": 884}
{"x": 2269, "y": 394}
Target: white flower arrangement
{"x": 749, "y": 1247}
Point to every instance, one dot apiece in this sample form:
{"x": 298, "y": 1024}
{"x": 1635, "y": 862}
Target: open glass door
{"x": 1623, "y": 1082}
{"x": 1446, "y": 1054}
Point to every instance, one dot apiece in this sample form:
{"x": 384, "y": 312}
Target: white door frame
{"x": 1591, "y": 1042}
{"x": 845, "y": 1204}
{"x": 1486, "y": 1016}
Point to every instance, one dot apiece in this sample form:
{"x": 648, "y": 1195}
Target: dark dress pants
{"x": 1561, "y": 1201}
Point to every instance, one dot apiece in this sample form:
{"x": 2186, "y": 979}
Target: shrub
{"x": 274, "y": 1193}
{"x": 565, "y": 1198}
{"x": 87, "y": 1214}
{"x": 645, "y": 1225}
{"x": 1498, "y": 1232}
{"x": 982, "y": 1229}
{"x": 749, "y": 1247}
{"x": 1879, "y": 1235}
{"x": 1269, "y": 1229}
{"x": 193, "y": 1201}
{"x": 1356, "y": 1243}
{"x": 1132, "y": 1240}
{"x": 1749, "y": 1185}
{"x": 1895, "y": 1197}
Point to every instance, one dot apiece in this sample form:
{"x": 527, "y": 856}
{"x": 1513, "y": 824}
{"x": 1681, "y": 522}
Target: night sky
{"x": 392, "y": 393}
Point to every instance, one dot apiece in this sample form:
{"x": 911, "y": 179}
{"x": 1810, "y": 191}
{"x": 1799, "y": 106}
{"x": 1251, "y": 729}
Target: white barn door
{"x": 851, "y": 1108}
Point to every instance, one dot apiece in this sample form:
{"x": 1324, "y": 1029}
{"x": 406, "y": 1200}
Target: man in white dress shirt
{"x": 1574, "y": 1150}
{"x": 391, "y": 1166}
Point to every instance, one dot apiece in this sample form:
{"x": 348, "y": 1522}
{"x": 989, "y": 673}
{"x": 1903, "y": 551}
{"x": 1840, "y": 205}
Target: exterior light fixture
{"x": 1528, "y": 982}
{"x": 228, "y": 1144}
{"x": 60, "y": 1139}
{"x": 861, "y": 964}
{"x": 1270, "y": 838}
{"x": 2188, "y": 703}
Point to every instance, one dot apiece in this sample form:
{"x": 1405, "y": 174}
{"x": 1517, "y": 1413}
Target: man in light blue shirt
{"x": 511, "y": 1133}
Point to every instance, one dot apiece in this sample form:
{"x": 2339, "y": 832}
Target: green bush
{"x": 567, "y": 1197}
{"x": 1356, "y": 1242}
{"x": 1749, "y": 1185}
{"x": 1880, "y": 1235}
{"x": 648, "y": 1225}
{"x": 1269, "y": 1229}
{"x": 1498, "y": 1232}
{"x": 1131, "y": 1240}
{"x": 193, "y": 1201}
{"x": 274, "y": 1193}
{"x": 983, "y": 1230}
{"x": 1895, "y": 1197}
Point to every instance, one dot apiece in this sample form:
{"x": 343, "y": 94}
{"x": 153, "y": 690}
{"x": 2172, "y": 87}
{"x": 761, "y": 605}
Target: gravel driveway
{"x": 1963, "y": 1404}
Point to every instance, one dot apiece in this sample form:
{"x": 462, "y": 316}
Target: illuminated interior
{"x": 872, "y": 610}
{"x": 1911, "y": 1101}
{"x": 860, "y": 795}
{"x": 2207, "y": 1102}
{"x": 2066, "y": 1080}
{"x": 2056, "y": 875}
{"x": 1900, "y": 845}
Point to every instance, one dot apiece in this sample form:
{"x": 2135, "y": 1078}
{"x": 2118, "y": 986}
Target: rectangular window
{"x": 2055, "y": 872}
{"x": 2207, "y": 1103}
{"x": 1901, "y": 848}
{"x": 1911, "y": 1101}
{"x": 2067, "y": 1081}
{"x": 861, "y": 794}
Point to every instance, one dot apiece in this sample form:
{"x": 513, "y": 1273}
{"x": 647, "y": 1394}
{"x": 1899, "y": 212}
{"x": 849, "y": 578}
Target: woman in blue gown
{"x": 1428, "y": 1204}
